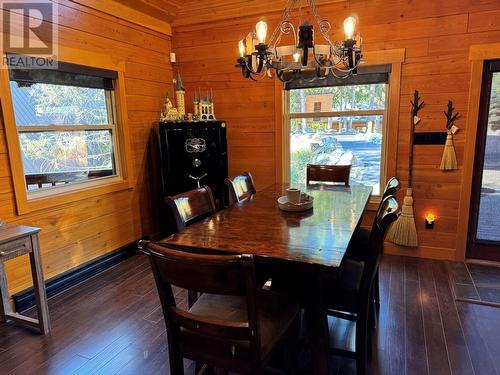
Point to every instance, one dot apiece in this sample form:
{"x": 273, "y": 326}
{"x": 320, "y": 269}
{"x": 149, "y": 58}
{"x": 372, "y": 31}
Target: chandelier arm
{"x": 261, "y": 64}
{"x": 286, "y": 68}
{"x": 259, "y": 76}
{"x": 249, "y": 68}
{"x": 347, "y": 70}
{"x": 337, "y": 76}
{"x": 280, "y": 76}
{"x": 324, "y": 25}
{"x": 286, "y": 28}
{"x": 284, "y": 18}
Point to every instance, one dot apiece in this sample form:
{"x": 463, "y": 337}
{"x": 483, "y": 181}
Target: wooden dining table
{"x": 305, "y": 247}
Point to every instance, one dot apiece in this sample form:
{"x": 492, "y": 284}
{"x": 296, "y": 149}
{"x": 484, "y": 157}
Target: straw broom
{"x": 404, "y": 232}
{"x": 449, "y": 160}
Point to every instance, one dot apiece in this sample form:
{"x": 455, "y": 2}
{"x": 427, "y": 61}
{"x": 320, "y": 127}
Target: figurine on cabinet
{"x": 169, "y": 113}
{"x": 204, "y": 109}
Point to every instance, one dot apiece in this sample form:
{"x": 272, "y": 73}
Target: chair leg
{"x": 373, "y": 312}
{"x": 292, "y": 347}
{"x": 176, "y": 365}
{"x": 362, "y": 342}
{"x": 176, "y": 360}
{"x": 376, "y": 289}
{"x": 375, "y": 302}
{"x": 369, "y": 350}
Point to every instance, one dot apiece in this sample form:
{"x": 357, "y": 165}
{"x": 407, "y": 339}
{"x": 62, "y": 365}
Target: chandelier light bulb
{"x": 296, "y": 57}
{"x": 349, "y": 27}
{"x": 242, "y": 48}
{"x": 261, "y": 30}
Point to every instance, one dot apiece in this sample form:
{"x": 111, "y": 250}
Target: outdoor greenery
{"x": 66, "y": 151}
{"x": 344, "y": 98}
{"x": 351, "y": 139}
{"x": 298, "y": 162}
{"x": 62, "y": 151}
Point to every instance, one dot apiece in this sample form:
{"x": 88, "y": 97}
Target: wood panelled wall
{"x": 81, "y": 231}
{"x": 436, "y": 35}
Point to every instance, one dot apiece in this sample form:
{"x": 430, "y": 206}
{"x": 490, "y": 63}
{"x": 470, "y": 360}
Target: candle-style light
{"x": 430, "y": 218}
{"x": 349, "y": 27}
{"x": 261, "y": 30}
{"x": 242, "y": 48}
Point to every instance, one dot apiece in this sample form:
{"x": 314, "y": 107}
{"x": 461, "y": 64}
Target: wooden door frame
{"x": 477, "y": 55}
{"x": 483, "y": 249}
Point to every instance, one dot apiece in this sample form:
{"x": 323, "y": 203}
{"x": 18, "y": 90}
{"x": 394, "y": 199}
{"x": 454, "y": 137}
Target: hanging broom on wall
{"x": 403, "y": 232}
{"x": 449, "y": 160}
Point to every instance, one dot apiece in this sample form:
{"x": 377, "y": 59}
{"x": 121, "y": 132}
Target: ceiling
{"x": 188, "y": 12}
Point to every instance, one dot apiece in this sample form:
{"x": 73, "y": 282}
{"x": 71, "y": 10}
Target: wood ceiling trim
{"x": 128, "y": 14}
{"x": 197, "y": 12}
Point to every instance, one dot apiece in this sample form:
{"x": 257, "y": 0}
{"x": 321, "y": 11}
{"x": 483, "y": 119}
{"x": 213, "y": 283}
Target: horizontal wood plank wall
{"x": 436, "y": 35}
{"x": 76, "y": 233}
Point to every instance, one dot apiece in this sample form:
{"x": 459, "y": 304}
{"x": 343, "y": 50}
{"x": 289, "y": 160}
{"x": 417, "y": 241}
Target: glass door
{"x": 484, "y": 238}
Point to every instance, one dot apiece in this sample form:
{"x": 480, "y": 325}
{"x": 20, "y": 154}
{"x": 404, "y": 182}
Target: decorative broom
{"x": 403, "y": 232}
{"x": 449, "y": 160}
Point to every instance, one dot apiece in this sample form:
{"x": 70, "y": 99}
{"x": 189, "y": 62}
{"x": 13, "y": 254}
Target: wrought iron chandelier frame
{"x": 339, "y": 59}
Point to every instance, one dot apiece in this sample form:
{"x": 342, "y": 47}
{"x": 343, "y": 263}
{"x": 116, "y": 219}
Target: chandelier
{"x": 305, "y": 59}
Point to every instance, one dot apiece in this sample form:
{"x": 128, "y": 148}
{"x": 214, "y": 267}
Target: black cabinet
{"x": 192, "y": 153}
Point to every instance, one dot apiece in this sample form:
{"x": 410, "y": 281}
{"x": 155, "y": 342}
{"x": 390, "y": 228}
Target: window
{"x": 66, "y": 122}
{"x": 347, "y": 127}
{"x": 317, "y": 108}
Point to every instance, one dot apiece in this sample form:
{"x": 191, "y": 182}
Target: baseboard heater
{"x": 26, "y": 299}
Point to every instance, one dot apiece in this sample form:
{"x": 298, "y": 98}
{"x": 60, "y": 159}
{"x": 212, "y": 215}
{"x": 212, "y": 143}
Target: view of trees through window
{"x": 348, "y": 129}
{"x": 63, "y": 131}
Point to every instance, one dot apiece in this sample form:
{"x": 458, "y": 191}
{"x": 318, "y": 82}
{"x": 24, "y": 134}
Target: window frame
{"x": 316, "y": 116}
{"x": 395, "y": 57}
{"x": 29, "y": 201}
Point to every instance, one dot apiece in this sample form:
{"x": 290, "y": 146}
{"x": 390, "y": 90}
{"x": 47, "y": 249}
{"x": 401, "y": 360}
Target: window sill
{"x": 40, "y": 200}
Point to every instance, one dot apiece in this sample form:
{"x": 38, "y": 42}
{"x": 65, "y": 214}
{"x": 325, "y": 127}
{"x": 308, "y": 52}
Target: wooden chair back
{"x": 388, "y": 213}
{"x": 392, "y": 187}
{"x": 191, "y": 206}
{"x": 232, "y": 275}
{"x": 328, "y": 173}
{"x": 241, "y": 188}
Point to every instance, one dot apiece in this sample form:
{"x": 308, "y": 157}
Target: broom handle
{"x": 410, "y": 159}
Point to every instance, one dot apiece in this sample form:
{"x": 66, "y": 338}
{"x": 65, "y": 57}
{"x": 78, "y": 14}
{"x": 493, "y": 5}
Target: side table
{"x": 17, "y": 240}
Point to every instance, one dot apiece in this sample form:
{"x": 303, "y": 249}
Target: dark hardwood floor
{"x": 112, "y": 324}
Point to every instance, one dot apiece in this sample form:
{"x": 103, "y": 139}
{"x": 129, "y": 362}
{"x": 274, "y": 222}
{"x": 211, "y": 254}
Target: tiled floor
{"x": 475, "y": 282}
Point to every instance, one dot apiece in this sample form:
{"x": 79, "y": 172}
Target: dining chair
{"x": 348, "y": 299}
{"x": 328, "y": 173}
{"x": 191, "y": 206}
{"x": 233, "y": 325}
{"x": 359, "y": 244}
{"x": 241, "y": 188}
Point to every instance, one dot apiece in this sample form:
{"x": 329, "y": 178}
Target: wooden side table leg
{"x": 4, "y": 291}
{"x": 39, "y": 287}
